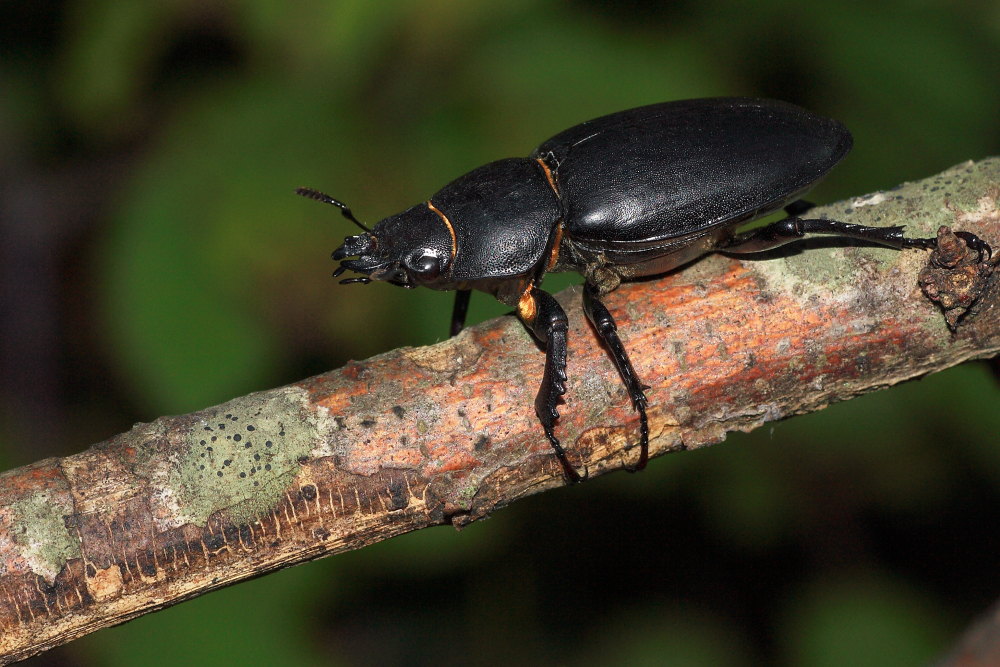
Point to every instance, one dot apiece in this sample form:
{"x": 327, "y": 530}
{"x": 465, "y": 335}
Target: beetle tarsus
{"x": 572, "y": 476}
{"x": 607, "y": 330}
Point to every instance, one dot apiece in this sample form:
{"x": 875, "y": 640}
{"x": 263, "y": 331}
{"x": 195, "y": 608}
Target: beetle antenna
{"x": 327, "y": 199}
{"x": 364, "y": 280}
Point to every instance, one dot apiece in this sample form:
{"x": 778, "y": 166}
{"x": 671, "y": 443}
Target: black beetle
{"x": 635, "y": 193}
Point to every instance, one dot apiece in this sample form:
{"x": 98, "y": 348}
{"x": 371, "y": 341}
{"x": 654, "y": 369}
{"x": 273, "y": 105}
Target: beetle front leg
{"x": 604, "y": 323}
{"x": 459, "y": 312}
{"x": 545, "y": 318}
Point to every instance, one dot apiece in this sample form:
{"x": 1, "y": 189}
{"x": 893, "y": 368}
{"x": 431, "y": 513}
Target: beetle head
{"x": 408, "y": 249}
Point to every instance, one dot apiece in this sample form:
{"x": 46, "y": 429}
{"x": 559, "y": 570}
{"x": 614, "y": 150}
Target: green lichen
{"x": 240, "y": 457}
{"x": 39, "y": 528}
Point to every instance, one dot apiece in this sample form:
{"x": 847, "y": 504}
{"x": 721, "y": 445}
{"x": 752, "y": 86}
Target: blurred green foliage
{"x": 858, "y": 535}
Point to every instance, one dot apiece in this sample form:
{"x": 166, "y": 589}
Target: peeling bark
{"x": 447, "y": 433}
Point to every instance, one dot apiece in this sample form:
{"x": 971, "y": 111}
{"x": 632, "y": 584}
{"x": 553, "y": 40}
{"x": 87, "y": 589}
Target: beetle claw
{"x": 975, "y": 243}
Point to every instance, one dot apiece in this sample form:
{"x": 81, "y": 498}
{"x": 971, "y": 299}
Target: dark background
{"x": 153, "y": 260}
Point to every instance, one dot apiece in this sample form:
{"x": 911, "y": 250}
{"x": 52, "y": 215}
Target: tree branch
{"x": 979, "y": 645}
{"x": 447, "y": 433}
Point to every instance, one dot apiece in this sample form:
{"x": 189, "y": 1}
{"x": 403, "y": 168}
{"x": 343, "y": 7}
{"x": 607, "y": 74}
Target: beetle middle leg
{"x": 792, "y": 229}
{"x": 604, "y": 323}
{"x": 546, "y": 319}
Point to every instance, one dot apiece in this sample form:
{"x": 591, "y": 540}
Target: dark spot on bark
{"x": 368, "y": 423}
{"x": 341, "y": 422}
{"x": 227, "y": 462}
{"x": 246, "y": 535}
{"x": 91, "y": 570}
{"x": 398, "y": 496}
{"x": 302, "y": 460}
{"x": 482, "y": 443}
{"x": 250, "y": 427}
{"x": 149, "y": 569}
{"x": 219, "y": 474}
{"x": 242, "y": 475}
{"x": 399, "y": 411}
{"x": 222, "y": 427}
{"x": 321, "y": 533}
{"x": 268, "y": 443}
{"x": 237, "y": 437}
{"x": 214, "y": 542}
{"x": 203, "y": 442}
{"x": 403, "y": 440}
{"x": 267, "y": 467}
{"x": 308, "y": 492}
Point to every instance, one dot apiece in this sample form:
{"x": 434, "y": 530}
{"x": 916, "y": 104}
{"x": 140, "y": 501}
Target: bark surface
{"x": 447, "y": 433}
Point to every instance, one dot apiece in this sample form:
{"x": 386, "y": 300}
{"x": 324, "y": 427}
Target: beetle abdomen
{"x": 669, "y": 170}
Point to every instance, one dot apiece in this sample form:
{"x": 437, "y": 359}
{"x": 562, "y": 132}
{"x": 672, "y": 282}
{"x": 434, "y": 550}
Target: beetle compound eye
{"x": 427, "y": 266}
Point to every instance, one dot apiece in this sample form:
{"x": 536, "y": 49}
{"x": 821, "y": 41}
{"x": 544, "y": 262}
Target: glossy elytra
{"x": 634, "y": 193}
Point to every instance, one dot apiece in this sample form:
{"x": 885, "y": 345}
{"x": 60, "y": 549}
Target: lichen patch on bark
{"x": 239, "y": 457}
{"x": 39, "y": 527}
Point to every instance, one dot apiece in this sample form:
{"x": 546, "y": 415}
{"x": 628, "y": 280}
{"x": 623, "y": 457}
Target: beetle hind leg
{"x": 792, "y": 229}
{"x": 546, "y": 319}
{"x": 604, "y": 323}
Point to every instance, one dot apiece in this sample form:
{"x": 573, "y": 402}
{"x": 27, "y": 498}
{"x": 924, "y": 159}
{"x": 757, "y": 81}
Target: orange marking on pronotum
{"x": 451, "y": 229}
{"x": 548, "y": 175}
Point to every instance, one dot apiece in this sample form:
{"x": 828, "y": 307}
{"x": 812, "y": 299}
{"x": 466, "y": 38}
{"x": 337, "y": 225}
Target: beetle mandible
{"x": 634, "y": 193}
